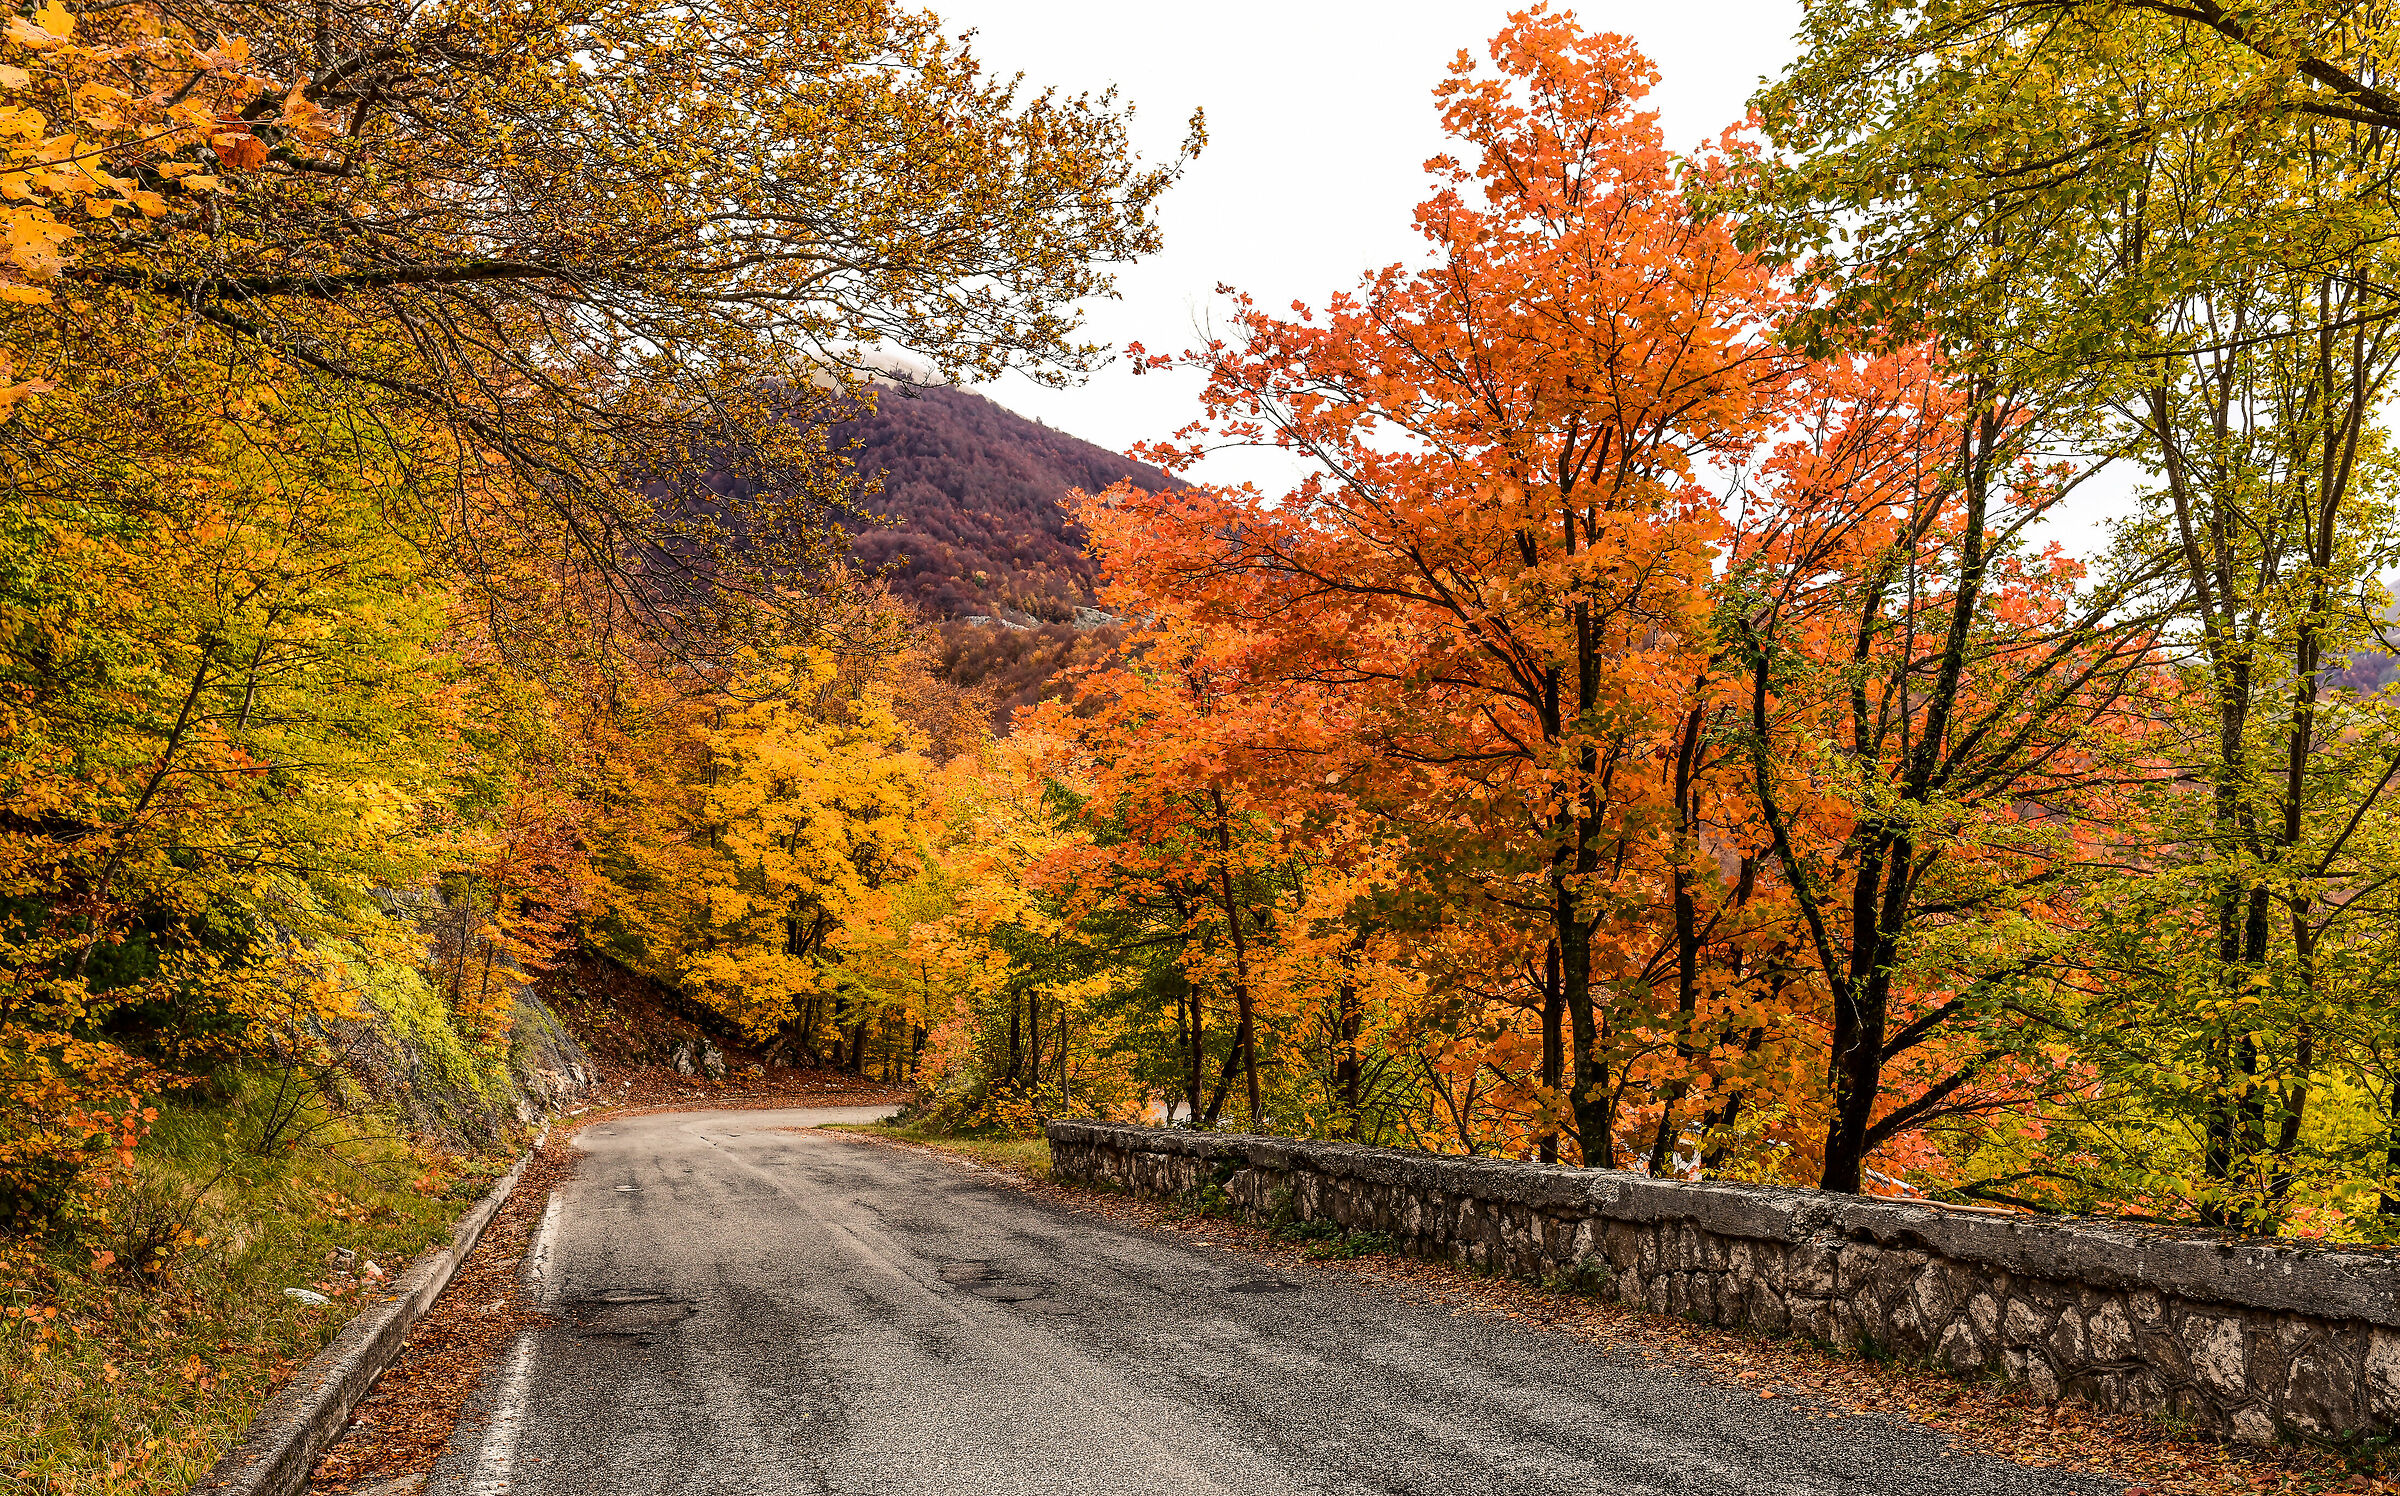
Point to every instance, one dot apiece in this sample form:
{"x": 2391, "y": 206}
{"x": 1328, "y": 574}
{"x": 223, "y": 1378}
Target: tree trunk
{"x": 1033, "y": 1041}
{"x": 799, "y": 1039}
{"x": 1346, "y": 1070}
{"x": 1687, "y": 939}
{"x": 1225, "y": 1075}
{"x": 1587, "y": 1096}
{"x": 1245, "y": 1036}
{"x": 105, "y": 884}
{"x": 1861, "y": 1009}
{"x": 1192, "y": 1102}
{"x": 1554, "y": 1044}
{"x": 2390, "y": 1205}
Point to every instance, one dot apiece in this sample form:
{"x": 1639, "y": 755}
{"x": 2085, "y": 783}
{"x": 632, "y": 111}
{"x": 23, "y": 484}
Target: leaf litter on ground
{"x": 403, "y": 1425}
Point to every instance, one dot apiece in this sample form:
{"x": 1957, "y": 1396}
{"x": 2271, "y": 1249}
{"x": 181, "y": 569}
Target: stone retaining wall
{"x": 2257, "y": 1340}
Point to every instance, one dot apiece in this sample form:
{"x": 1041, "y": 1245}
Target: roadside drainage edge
{"x": 281, "y": 1447}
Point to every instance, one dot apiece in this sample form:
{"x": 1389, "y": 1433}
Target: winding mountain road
{"x": 744, "y": 1307}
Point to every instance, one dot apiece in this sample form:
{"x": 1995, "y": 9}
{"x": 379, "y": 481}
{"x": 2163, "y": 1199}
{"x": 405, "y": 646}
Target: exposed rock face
{"x": 405, "y": 1047}
{"x": 394, "y": 1053}
{"x": 2258, "y": 1340}
{"x": 550, "y": 1069}
{"x": 693, "y": 1058}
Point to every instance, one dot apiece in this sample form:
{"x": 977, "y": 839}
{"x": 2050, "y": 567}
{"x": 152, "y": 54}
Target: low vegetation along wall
{"x": 2258, "y": 1340}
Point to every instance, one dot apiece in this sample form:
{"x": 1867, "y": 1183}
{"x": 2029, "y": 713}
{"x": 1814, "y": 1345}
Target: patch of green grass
{"x": 1028, "y": 1156}
{"x": 2360, "y": 1451}
{"x": 1328, "y": 1241}
{"x": 1215, "y": 1199}
{"x": 115, "y": 1382}
{"x": 1591, "y": 1278}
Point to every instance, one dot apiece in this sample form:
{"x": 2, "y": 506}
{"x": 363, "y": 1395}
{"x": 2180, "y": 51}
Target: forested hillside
{"x": 976, "y": 533}
{"x": 973, "y": 496}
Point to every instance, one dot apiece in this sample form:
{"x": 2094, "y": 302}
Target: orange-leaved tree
{"x": 1243, "y": 887}
{"x": 1497, "y": 576}
{"x": 1176, "y": 852}
{"x": 1931, "y": 711}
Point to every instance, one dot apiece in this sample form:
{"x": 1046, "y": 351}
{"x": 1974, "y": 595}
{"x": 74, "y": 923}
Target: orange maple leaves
{"x": 1492, "y": 657}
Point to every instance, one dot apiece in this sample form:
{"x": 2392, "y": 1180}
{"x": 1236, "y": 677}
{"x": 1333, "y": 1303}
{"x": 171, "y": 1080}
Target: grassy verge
{"x": 1029, "y": 1157}
{"x": 114, "y": 1381}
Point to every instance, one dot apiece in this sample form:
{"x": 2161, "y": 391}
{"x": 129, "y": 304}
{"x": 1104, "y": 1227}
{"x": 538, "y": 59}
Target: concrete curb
{"x": 302, "y": 1421}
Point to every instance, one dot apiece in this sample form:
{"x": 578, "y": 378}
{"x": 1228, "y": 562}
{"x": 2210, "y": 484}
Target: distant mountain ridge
{"x": 979, "y": 537}
{"x": 974, "y": 494}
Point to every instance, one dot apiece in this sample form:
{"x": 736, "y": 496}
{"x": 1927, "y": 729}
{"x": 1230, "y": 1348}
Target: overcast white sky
{"x": 1320, "y": 118}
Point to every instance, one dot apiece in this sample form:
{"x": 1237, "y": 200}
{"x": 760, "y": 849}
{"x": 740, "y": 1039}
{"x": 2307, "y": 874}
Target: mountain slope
{"x": 973, "y": 492}
{"x": 978, "y": 535}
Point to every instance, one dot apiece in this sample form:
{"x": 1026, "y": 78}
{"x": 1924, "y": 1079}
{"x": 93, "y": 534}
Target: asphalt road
{"x": 744, "y": 1307}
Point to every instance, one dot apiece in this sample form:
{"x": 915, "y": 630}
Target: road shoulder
{"x": 1984, "y": 1418}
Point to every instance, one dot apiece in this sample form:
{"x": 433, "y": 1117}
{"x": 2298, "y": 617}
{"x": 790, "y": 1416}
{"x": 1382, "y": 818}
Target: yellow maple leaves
{"x": 49, "y": 27}
{"x": 808, "y": 822}
{"x": 78, "y": 143}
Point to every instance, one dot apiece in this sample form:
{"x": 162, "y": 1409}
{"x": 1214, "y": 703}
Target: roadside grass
{"x": 118, "y": 1382}
{"x": 1028, "y": 1158}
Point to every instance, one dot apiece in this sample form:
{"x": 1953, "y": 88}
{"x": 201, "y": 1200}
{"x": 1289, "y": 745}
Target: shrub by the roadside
{"x": 137, "y": 1340}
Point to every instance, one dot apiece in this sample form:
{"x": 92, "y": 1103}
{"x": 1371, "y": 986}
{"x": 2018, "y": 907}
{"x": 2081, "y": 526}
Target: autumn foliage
{"x": 1662, "y": 729}
{"x": 1660, "y": 732}
{"x": 424, "y": 553}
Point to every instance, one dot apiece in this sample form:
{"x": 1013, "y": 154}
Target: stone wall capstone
{"x": 2259, "y": 1340}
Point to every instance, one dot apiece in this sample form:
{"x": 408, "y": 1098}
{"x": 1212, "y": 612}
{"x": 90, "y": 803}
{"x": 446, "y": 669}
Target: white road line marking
{"x": 537, "y": 1261}
{"x": 496, "y": 1458}
{"x": 496, "y": 1461}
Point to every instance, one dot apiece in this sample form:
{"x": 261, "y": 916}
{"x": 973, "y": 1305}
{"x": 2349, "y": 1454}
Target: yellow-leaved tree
{"x": 805, "y": 827}
{"x": 1024, "y": 998}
